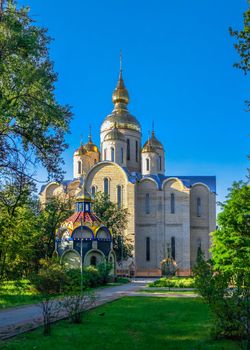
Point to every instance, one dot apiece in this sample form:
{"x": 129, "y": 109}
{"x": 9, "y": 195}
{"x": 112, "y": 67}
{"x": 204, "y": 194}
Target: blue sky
{"x": 178, "y": 68}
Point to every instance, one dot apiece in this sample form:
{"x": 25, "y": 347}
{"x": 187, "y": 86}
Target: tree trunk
{"x": 1, "y": 8}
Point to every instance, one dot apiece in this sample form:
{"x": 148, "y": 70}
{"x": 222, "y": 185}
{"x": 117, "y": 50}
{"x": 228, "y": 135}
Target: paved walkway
{"x": 21, "y": 319}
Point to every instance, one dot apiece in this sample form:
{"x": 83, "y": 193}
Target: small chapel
{"x": 170, "y": 215}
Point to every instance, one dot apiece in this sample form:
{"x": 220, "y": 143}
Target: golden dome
{"x": 91, "y": 147}
{"x": 120, "y": 114}
{"x": 120, "y": 94}
{"x": 80, "y": 151}
{"x": 88, "y": 147}
{"x": 114, "y": 134}
{"x": 152, "y": 145}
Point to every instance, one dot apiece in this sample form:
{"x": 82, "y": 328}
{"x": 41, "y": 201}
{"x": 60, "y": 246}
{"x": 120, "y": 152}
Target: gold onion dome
{"x": 120, "y": 114}
{"x": 114, "y": 134}
{"x": 81, "y": 150}
{"x": 152, "y": 145}
{"x": 88, "y": 147}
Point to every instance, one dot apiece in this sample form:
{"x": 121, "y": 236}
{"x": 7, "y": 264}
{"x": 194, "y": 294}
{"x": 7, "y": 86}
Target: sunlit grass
{"x": 132, "y": 323}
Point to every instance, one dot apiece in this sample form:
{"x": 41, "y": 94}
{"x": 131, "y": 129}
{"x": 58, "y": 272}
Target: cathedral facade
{"x": 170, "y": 216}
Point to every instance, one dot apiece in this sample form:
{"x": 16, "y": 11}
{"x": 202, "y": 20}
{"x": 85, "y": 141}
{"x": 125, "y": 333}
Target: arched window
{"x": 119, "y": 196}
{"x": 147, "y": 248}
{"x": 198, "y": 209}
{"x": 147, "y": 208}
{"x": 93, "y": 260}
{"x": 160, "y": 161}
{"x": 93, "y": 190}
{"x": 136, "y": 151}
{"x": 173, "y": 247}
{"x": 147, "y": 164}
{"x": 172, "y": 204}
{"x": 128, "y": 149}
{"x": 79, "y": 167}
{"x": 105, "y": 154}
{"x": 112, "y": 154}
{"x": 122, "y": 155}
{"x": 106, "y": 186}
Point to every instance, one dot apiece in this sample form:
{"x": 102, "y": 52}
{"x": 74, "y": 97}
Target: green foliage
{"x": 231, "y": 242}
{"x": 229, "y": 303}
{"x": 31, "y": 118}
{"x": 224, "y": 282}
{"x": 50, "y": 279}
{"x": 243, "y": 43}
{"x": 18, "y": 234}
{"x": 51, "y": 215}
{"x": 27, "y": 230}
{"x": 242, "y": 46}
{"x": 174, "y": 282}
{"x": 116, "y": 219}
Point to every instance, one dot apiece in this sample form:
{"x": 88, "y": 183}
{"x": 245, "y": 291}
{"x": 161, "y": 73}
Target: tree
{"x": 51, "y": 215}
{"x": 30, "y": 117}
{"x": 18, "y": 233}
{"x": 50, "y": 281}
{"x": 224, "y": 282}
{"x": 231, "y": 242}
{"x": 242, "y": 46}
{"x": 116, "y": 219}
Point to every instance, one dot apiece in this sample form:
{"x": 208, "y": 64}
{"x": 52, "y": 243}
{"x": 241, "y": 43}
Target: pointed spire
{"x": 120, "y": 75}
{"x": 81, "y": 140}
{"x": 153, "y": 128}
{"x": 90, "y": 134}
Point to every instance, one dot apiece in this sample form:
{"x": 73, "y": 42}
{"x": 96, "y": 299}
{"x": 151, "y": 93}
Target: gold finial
{"x": 153, "y": 128}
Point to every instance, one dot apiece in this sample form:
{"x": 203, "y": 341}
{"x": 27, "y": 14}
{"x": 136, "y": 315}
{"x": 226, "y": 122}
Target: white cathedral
{"x": 170, "y": 216}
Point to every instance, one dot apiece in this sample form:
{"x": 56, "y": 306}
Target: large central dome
{"x": 120, "y": 115}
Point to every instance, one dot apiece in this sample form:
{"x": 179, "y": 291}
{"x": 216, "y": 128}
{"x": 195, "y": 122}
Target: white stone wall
{"x": 116, "y": 176}
{"x": 87, "y": 161}
{"x": 203, "y": 225}
{"x": 133, "y": 136}
{"x": 117, "y": 145}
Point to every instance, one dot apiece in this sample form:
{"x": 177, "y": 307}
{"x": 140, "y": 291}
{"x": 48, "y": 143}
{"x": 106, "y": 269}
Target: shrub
{"x": 174, "y": 282}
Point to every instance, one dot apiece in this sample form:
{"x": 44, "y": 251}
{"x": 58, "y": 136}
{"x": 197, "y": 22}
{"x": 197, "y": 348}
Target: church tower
{"x": 153, "y": 159}
{"x": 85, "y": 157}
{"x": 121, "y": 132}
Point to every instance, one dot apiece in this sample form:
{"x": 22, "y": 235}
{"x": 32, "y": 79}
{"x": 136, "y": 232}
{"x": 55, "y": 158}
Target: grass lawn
{"x": 18, "y": 293}
{"x": 159, "y": 290}
{"x": 132, "y": 323}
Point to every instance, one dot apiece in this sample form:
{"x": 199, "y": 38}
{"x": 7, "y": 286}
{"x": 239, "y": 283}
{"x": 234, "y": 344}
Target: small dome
{"x": 152, "y": 145}
{"x": 91, "y": 147}
{"x": 114, "y": 134}
{"x": 80, "y": 151}
{"x": 88, "y": 147}
{"x": 120, "y": 94}
{"x": 155, "y": 142}
{"x": 149, "y": 148}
